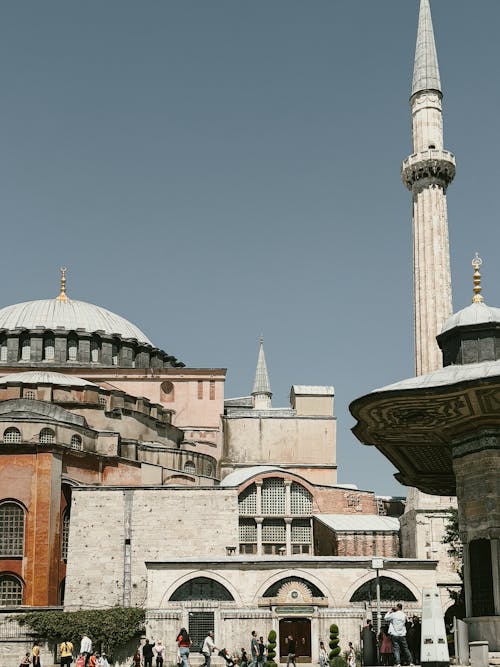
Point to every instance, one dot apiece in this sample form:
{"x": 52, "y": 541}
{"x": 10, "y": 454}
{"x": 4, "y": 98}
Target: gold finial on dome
{"x": 476, "y": 263}
{"x": 62, "y": 294}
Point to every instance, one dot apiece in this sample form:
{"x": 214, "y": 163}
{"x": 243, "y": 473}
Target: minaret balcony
{"x": 427, "y": 168}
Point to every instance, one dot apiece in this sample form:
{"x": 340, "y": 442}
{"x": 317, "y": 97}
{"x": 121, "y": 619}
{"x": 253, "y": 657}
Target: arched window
{"x": 11, "y": 591}
{"x": 167, "y": 391}
{"x": 12, "y": 435}
{"x": 95, "y": 350}
{"x": 390, "y": 591}
{"x": 114, "y": 353}
{"x": 189, "y": 468}
{"x": 48, "y": 348}
{"x": 3, "y": 349}
{"x": 25, "y": 349}
{"x": 201, "y": 588}
{"x": 273, "y": 496}
{"x": 11, "y": 529}
{"x": 76, "y": 442}
{"x": 47, "y": 436}
{"x": 300, "y": 500}
{"x": 72, "y": 348}
{"x": 273, "y": 590}
{"x": 65, "y": 533}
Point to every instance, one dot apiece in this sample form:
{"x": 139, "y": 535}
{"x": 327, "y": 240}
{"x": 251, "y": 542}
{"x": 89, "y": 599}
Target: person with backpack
{"x": 66, "y": 651}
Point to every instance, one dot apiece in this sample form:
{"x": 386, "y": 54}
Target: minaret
{"x": 261, "y": 391}
{"x": 427, "y": 173}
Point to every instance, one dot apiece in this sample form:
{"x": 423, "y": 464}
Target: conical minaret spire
{"x": 427, "y": 174}
{"x": 261, "y": 391}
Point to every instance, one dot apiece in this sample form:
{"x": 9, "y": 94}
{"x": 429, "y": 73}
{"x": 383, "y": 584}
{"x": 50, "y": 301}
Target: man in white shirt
{"x": 86, "y": 648}
{"x": 208, "y": 648}
{"x": 397, "y": 633}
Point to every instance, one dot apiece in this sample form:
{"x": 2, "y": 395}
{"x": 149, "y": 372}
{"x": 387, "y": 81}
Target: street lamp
{"x": 378, "y": 564}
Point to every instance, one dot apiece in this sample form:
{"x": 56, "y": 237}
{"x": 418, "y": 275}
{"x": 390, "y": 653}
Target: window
{"x": 72, "y": 348}
{"x": 247, "y": 500}
{"x": 200, "y": 389}
{"x": 189, "y": 468}
{"x": 11, "y": 591}
{"x": 248, "y": 530}
{"x": 273, "y": 590}
{"x": 201, "y": 588}
{"x": 273, "y": 530}
{"x": 48, "y": 349}
{"x": 301, "y": 530}
{"x": 390, "y": 591}
{"x": 11, "y": 529}
{"x": 300, "y": 500}
{"x": 102, "y": 401}
{"x": 114, "y": 354}
{"x": 273, "y": 496}
{"x": 26, "y": 350}
{"x": 12, "y": 435}
{"x": 65, "y": 534}
{"x": 30, "y": 393}
{"x": 212, "y": 390}
{"x": 200, "y": 624}
{"x": 76, "y": 442}
{"x": 3, "y": 350}
{"x": 47, "y": 436}
{"x": 95, "y": 350}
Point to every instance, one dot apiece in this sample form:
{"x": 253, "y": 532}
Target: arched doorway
{"x": 300, "y": 631}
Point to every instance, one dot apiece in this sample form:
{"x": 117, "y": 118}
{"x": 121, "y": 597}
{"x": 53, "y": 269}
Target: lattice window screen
{"x": 248, "y": 530}
{"x": 300, "y": 499}
{"x": 65, "y": 535}
{"x": 247, "y": 500}
{"x": 11, "y": 530}
{"x": 76, "y": 442}
{"x": 47, "y": 436}
{"x": 273, "y": 496}
{"x": 301, "y": 531}
{"x": 11, "y": 591}
{"x": 12, "y": 435}
{"x": 189, "y": 468}
{"x": 3, "y": 351}
{"x": 273, "y": 530}
{"x": 200, "y": 624}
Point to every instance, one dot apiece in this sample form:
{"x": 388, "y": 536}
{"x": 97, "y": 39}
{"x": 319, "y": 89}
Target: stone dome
{"x": 69, "y": 315}
{"x": 476, "y": 313}
{"x": 46, "y": 377}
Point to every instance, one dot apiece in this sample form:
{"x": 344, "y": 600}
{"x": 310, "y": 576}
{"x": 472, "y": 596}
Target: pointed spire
{"x": 62, "y": 294}
{"x": 261, "y": 387}
{"x": 476, "y": 263}
{"x": 425, "y": 70}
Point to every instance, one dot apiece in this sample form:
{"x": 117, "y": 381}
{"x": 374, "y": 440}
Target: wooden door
{"x": 300, "y": 630}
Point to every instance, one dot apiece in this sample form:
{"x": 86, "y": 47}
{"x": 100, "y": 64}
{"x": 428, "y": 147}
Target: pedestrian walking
{"x": 66, "y": 651}
{"x": 385, "y": 646}
{"x": 351, "y": 656}
{"x": 291, "y": 651}
{"x": 159, "y": 653}
{"x": 86, "y": 649}
{"x": 25, "y": 661}
{"x": 323, "y": 655}
{"x": 261, "y": 657}
{"x": 243, "y": 658}
{"x": 254, "y": 648}
{"x": 397, "y": 633}
{"x": 183, "y": 642}
{"x": 208, "y": 648}
{"x": 35, "y": 652}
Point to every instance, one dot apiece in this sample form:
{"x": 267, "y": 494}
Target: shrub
{"x": 271, "y": 649}
{"x": 334, "y": 645}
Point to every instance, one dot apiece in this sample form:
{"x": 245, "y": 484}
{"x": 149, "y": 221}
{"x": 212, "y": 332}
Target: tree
{"x": 451, "y": 537}
{"x": 109, "y": 629}
{"x": 271, "y": 649}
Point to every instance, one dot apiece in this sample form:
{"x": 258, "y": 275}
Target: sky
{"x": 215, "y": 170}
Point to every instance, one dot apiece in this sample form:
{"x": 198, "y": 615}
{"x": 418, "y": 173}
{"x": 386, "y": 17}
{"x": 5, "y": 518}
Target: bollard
{"x": 478, "y": 654}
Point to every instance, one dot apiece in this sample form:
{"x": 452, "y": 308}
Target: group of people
{"x": 86, "y": 657}
{"x": 399, "y": 638}
{"x": 150, "y": 650}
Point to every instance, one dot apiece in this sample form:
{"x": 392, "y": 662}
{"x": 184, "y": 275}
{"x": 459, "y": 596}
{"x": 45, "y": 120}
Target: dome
{"x": 46, "y": 377}
{"x": 476, "y": 313}
{"x": 69, "y": 315}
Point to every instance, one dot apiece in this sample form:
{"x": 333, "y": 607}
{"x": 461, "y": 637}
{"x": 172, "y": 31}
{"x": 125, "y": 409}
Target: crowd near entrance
{"x": 300, "y": 630}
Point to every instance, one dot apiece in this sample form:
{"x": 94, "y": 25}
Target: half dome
{"x": 476, "y": 313}
{"x": 46, "y": 377}
{"x": 69, "y": 315}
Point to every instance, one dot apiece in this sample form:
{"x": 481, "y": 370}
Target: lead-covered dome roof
{"x": 476, "y": 313}
{"x": 69, "y": 315}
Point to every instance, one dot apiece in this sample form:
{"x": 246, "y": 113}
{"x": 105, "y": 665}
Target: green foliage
{"x": 451, "y": 537}
{"x": 333, "y": 643}
{"x": 271, "y": 649}
{"x": 109, "y": 629}
{"x": 338, "y": 661}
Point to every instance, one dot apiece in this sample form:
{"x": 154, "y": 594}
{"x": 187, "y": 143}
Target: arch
{"x": 11, "y": 590}
{"x": 47, "y": 436}
{"x": 272, "y": 591}
{"x": 66, "y": 517}
{"x": 201, "y": 588}
{"x": 307, "y": 578}
{"x": 301, "y": 500}
{"x": 25, "y": 348}
{"x": 4, "y": 351}
{"x": 216, "y": 576}
{"x": 390, "y": 590}
{"x": 72, "y": 347}
{"x": 12, "y": 520}
{"x": 12, "y": 435}
{"x": 76, "y": 442}
{"x": 167, "y": 391}
{"x": 95, "y": 349}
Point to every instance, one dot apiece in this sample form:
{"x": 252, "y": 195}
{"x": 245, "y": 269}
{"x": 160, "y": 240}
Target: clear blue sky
{"x": 215, "y": 170}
